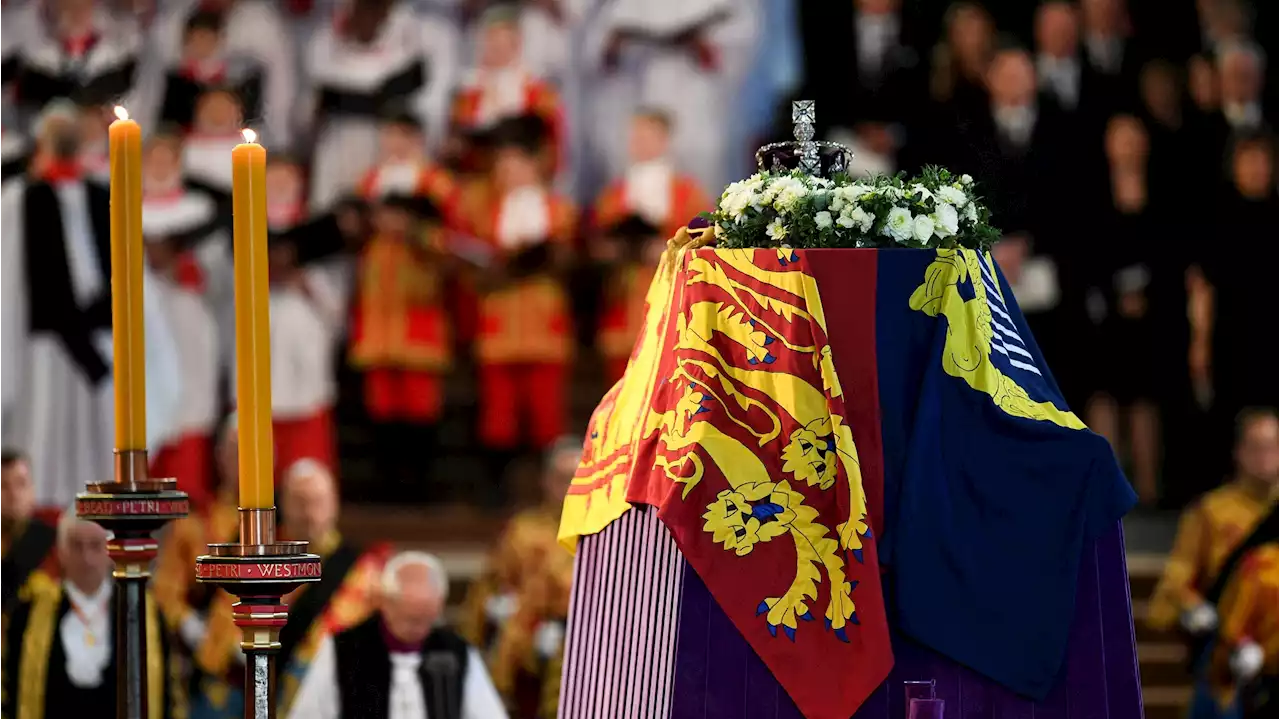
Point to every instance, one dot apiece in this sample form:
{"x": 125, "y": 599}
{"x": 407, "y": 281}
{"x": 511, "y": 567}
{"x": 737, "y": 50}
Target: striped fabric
{"x": 620, "y": 650}
{"x": 1006, "y": 339}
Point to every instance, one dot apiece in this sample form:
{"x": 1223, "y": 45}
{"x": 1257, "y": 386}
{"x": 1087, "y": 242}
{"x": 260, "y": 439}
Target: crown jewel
{"x": 812, "y": 157}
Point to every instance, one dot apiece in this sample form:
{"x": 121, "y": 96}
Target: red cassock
{"x": 624, "y": 299}
{"x": 400, "y": 334}
{"x": 524, "y": 340}
{"x": 430, "y": 181}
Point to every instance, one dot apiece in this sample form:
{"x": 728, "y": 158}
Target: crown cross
{"x": 804, "y": 153}
{"x": 802, "y": 117}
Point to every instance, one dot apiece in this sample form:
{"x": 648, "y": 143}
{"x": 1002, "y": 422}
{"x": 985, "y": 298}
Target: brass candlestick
{"x": 259, "y": 571}
{"x": 132, "y": 507}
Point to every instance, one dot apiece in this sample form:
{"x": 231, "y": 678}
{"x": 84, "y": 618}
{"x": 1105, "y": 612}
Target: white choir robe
{"x": 347, "y": 144}
{"x": 700, "y": 102}
{"x": 318, "y": 696}
{"x": 206, "y": 160}
{"x": 253, "y": 29}
{"x": 304, "y": 332}
{"x": 117, "y": 50}
{"x": 51, "y": 410}
{"x": 189, "y": 310}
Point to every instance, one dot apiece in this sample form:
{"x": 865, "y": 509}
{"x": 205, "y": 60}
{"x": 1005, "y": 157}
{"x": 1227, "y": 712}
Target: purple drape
{"x": 719, "y": 676}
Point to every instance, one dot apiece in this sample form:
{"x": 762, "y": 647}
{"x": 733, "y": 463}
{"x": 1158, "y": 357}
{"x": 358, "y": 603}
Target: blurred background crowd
{"x": 468, "y": 197}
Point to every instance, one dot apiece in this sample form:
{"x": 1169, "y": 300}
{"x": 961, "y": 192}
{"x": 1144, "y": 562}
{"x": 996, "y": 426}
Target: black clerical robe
{"x": 35, "y": 680}
{"x": 30, "y": 548}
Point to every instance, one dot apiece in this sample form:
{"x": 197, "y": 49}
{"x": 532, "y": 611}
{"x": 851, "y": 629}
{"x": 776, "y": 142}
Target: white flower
{"x": 898, "y": 226}
{"x": 945, "y": 219}
{"x": 845, "y": 221}
{"x": 922, "y": 191}
{"x": 952, "y": 195}
{"x": 858, "y": 189}
{"x": 966, "y": 180}
{"x": 837, "y": 201}
{"x": 787, "y": 192}
{"x": 971, "y": 212}
{"x": 776, "y": 230}
{"x": 892, "y": 193}
{"x": 822, "y": 220}
{"x": 922, "y": 228}
{"x": 862, "y": 218}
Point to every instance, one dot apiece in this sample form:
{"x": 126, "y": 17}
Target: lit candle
{"x": 253, "y": 328}
{"x": 127, "y": 336}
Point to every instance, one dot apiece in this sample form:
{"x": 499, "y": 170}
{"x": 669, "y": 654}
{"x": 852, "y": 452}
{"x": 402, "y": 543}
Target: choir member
{"x": 27, "y": 541}
{"x": 404, "y": 168}
{"x": 401, "y": 663}
{"x": 79, "y": 47}
{"x": 376, "y": 53}
{"x": 629, "y": 252}
{"x": 651, "y": 187}
{"x": 254, "y": 39}
{"x": 401, "y": 334}
{"x": 527, "y": 544}
{"x": 342, "y": 599}
{"x": 14, "y": 154}
{"x": 525, "y": 336}
{"x": 307, "y": 313}
{"x": 545, "y": 32}
{"x": 502, "y": 87}
{"x": 57, "y": 393}
{"x": 94, "y": 117}
{"x": 60, "y": 639}
{"x": 184, "y": 603}
{"x": 527, "y": 657}
{"x": 688, "y": 57}
{"x": 187, "y": 250}
{"x": 207, "y": 63}
{"x": 217, "y": 124}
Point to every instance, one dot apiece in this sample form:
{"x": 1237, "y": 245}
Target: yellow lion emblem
{"x": 811, "y": 456}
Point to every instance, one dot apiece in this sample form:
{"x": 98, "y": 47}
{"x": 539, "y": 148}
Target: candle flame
{"x": 249, "y": 135}
{"x": 121, "y": 113}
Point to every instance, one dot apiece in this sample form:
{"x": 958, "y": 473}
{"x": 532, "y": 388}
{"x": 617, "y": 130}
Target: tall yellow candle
{"x": 253, "y": 327}
{"x": 127, "y": 336}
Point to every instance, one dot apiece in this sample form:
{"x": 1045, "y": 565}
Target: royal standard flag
{"x": 803, "y": 418}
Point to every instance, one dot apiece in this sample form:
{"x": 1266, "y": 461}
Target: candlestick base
{"x": 259, "y": 575}
{"x": 132, "y": 507}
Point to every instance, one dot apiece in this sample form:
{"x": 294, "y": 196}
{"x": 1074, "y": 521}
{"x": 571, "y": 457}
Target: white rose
{"x": 862, "y": 218}
{"x": 822, "y": 220}
{"x": 945, "y": 219}
{"x": 898, "y": 225}
{"x": 922, "y": 228}
{"x": 952, "y": 195}
{"x": 837, "y": 201}
{"x": 858, "y": 189}
{"x": 921, "y": 190}
{"x": 971, "y": 212}
{"x": 776, "y": 230}
{"x": 845, "y": 221}
{"x": 966, "y": 180}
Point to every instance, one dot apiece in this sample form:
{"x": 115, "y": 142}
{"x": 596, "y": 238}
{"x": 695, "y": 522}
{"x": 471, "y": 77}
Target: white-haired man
{"x": 400, "y": 663}
{"x": 343, "y": 597}
{"x": 59, "y": 638}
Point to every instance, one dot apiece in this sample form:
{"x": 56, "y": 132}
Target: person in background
{"x": 1212, "y": 528}
{"x": 652, "y": 187}
{"x": 217, "y": 125}
{"x": 1111, "y": 55}
{"x": 79, "y": 48}
{"x": 253, "y": 41}
{"x": 206, "y": 64}
{"x": 525, "y": 337}
{"x": 501, "y": 87}
{"x": 375, "y": 55}
{"x": 627, "y": 253}
{"x": 958, "y": 76}
{"x": 186, "y": 248}
{"x": 185, "y": 603}
{"x": 308, "y": 311}
{"x": 520, "y": 554}
{"x": 1240, "y": 75}
{"x": 94, "y": 119}
{"x": 26, "y": 541}
{"x": 546, "y": 32}
{"x": 1244, "y": 660}
{"x": 1236, "y": 349}
{"x": 60, "y": 658}
{"x": 342, "y": 599}
{"x": 404, "y": 168}
{"x": 400, "y": 663}
{"x": 401, "y": 335}
{"x": 526, "y": 658}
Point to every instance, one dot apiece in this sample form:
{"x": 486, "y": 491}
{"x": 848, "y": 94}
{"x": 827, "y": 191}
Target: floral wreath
{"x": 934, "y": 210}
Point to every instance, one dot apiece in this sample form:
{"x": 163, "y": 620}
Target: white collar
{"x": 98, "y": 598}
